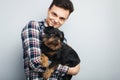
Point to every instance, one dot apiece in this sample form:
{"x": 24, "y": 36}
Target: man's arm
{"x": 68, "y": 70}
{"x": 74, "y": 70}
{"x": 30, "y": 39}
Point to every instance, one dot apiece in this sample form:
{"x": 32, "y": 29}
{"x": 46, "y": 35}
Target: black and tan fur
{"x": 54, "y": 49}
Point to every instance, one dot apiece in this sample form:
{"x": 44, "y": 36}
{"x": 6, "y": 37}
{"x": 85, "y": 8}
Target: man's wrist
{"x": 63, "y": 69}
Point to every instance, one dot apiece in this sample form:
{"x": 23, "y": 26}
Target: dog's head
{"x": 53, "y": 38}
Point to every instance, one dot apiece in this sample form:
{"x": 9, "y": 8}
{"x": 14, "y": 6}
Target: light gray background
{"x": 93, "y": 30}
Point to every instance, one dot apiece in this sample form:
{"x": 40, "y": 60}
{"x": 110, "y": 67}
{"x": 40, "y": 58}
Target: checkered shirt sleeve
{"x": 30, "y": 39}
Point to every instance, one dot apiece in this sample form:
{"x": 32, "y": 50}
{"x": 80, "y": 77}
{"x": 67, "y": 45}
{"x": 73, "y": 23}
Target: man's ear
{"x": 48, "y": 29}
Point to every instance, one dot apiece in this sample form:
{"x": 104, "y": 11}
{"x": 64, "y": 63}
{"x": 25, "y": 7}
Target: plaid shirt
{"x": 31, "y": 38}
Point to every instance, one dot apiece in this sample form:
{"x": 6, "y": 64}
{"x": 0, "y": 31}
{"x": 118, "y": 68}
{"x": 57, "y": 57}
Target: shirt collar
{"x": 45, "y": 23}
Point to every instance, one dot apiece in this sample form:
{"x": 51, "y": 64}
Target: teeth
{"x": 52, "y": 21}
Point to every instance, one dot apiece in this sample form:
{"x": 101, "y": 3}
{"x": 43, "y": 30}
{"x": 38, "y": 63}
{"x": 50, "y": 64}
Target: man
{"x": 58, "y": 12}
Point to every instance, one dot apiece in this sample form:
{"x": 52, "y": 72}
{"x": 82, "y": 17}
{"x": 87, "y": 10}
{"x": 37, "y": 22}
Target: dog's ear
{"x": 48, "y": 29}
{"x": 62, "y": 36}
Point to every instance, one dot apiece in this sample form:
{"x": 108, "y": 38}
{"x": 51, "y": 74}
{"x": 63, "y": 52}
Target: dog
{"x": 57, "y": 51}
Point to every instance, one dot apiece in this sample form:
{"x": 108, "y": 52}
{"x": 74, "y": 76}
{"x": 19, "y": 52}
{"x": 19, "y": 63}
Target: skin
{"x": 56, "y": 17}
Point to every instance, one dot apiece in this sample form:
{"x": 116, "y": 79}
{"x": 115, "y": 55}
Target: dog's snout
{"x": 55, "y": 42}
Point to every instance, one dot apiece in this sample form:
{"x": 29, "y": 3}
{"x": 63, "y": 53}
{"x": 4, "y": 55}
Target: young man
{"x": 58, "y": 13}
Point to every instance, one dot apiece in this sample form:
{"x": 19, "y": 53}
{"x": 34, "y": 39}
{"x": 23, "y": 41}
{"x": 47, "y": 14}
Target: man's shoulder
{"x": 34, "y": 22}
{"x": 33, "y": 25}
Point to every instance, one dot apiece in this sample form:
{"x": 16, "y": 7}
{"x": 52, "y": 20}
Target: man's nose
{"x": 57, "y": 19}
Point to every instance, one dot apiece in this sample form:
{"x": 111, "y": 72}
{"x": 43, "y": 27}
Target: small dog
{"x": 54, "y": 49}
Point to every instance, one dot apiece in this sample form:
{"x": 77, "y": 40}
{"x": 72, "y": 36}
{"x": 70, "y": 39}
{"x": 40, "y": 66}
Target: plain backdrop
{"x": 93, "y": 30}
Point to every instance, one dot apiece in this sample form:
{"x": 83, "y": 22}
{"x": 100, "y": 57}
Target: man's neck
{"x": 46, "y": 25}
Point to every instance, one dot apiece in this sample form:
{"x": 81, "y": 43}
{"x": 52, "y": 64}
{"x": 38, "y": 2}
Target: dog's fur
{"x": 54, "y": 49}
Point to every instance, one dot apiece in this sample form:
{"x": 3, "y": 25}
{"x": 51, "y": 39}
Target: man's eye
{"x": 62, "y": 19}
{"x": 54, "y": 14}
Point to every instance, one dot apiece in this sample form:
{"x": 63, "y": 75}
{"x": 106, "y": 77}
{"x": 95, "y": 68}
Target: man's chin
{"x": 50, "y": 25}
{"x": 55, "y": 26}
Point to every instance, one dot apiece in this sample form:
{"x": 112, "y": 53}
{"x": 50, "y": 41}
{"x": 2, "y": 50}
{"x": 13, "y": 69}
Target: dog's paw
{"x": 44, "y": 60}
{"x": 47, "y": 73}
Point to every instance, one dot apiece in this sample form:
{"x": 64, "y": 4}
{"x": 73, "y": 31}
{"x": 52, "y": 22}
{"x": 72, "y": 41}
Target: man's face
{"x": 56, "y": 16}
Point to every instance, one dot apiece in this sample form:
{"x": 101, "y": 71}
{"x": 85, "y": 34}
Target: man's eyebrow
{"x": 57, "y": 15}
{"x": 62, "y": 18}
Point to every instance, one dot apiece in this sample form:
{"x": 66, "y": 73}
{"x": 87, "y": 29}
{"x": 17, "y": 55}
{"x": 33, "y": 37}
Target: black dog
{"x": 58, "y": 52}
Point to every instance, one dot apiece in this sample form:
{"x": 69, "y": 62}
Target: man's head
{"x": 59, "y": 12}
{"x": 65, "y": 4}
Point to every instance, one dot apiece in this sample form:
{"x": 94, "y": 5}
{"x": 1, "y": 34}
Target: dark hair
{"x": 65, "y": 4}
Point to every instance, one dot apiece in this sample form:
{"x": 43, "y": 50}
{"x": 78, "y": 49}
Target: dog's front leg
{"x": 48, "y": 73}
{"x": 44, "y": 61}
